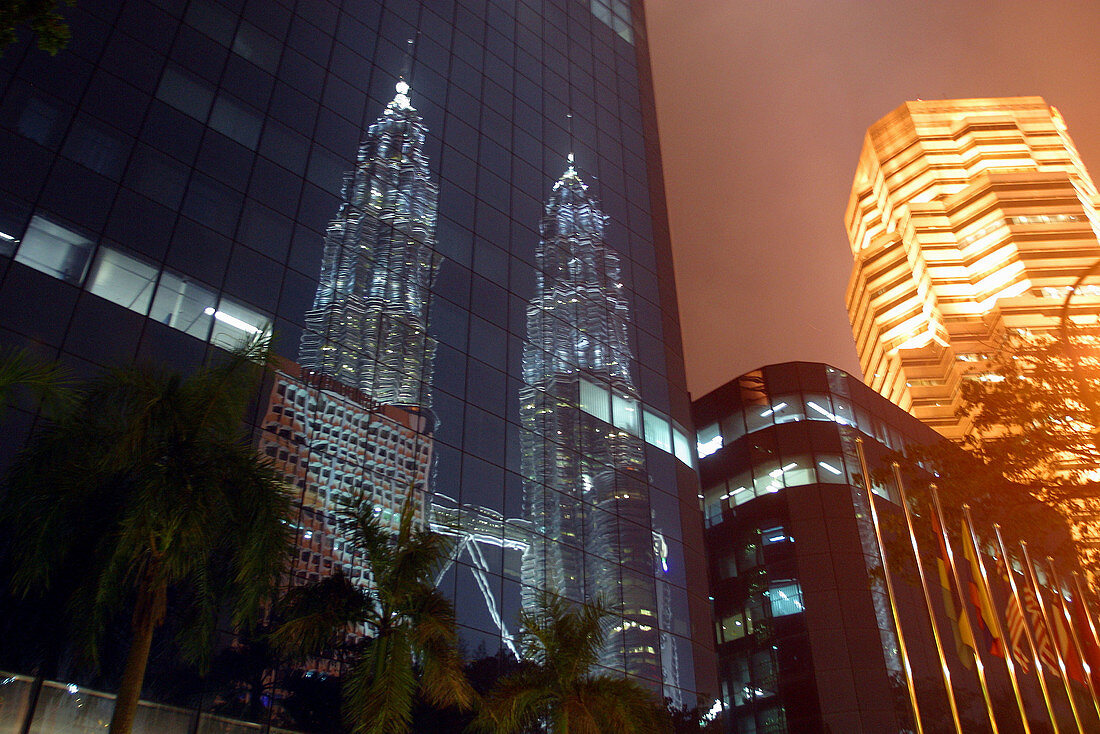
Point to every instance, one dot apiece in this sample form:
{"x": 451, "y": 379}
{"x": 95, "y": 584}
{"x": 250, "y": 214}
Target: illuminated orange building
{"x": 966, "y": 218}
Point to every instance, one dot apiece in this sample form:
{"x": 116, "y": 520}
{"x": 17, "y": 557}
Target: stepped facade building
{"x": 967, "y": 218}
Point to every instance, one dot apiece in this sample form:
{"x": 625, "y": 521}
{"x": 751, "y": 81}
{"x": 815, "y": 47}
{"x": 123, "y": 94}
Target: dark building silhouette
{"x": 803, "y": 619}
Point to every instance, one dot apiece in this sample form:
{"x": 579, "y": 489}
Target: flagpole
{"x": 1085, "y": 606}
{"x": 1073, "y": 636}
{"x": 978, "y": 664}
{"x": 1009, "y": 664}
{"x": 1027, "y": 628}
{"x": 909, "y": 682}
{"x": 928, "y": 602}
{"x": 1034, "y": 581}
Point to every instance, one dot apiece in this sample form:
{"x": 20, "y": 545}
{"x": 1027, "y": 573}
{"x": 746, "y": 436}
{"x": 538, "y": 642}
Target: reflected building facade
{"x": 585, "y": 490}
{"x": 350, "y": 423}
{"x": 177, "y": 180}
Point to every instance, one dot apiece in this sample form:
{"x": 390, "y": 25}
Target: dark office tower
{"x": 178, "y": 179}
{"x": 585, "y": 491}
{"x": 367, "y": 328}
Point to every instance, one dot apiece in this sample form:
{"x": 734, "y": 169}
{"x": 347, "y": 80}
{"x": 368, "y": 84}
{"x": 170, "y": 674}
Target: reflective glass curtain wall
{"x": 379, "y": 184}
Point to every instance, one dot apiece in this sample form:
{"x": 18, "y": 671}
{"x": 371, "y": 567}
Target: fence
{"x": 69, "y": 709}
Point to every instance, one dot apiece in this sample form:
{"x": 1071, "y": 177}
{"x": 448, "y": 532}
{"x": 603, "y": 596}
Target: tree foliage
{"x": 43, "y": 17}
{"x": 411, "y": 649}
{"x": 556, "y": 686}
{"x": 146, "y": 493}
{"x": 1033, "y": 413}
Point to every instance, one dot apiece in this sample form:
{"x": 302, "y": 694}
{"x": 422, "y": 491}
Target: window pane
{"x": 682, "y": 446}
{"x": 626, "y": 414}
{"x": 594, "y": 401}
{"x": 55, "y": 250}
{"x": 733, "y": 427}
{"x": 183, "y": 305}
{"x": 708, "y": 440}
{"x": 785, "y": 596}
{"x": 234, "y": 323}
{"x": 712, "y": 504}
{"x": 732, "y": 627}
{"x": 787, "y": 408}
{"x": 799, "y": 470}
{"x": 122, "y": 279}
{"x": 256, "y": 46}
{"x": 186, "y": 93}
{"x": 830, "y": 469}
{"x": 657, "y": 431}
{"x": 233, "y": 119}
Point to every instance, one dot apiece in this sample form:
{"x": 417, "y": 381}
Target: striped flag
{"x": 1014, "y": 620}
{"x": 1039, "y": 629}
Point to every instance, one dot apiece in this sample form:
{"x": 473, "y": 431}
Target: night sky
{"x": 762, "y": 108}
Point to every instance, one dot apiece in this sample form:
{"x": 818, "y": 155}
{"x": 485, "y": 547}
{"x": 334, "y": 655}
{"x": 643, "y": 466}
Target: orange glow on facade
{"x": 966, "y": 218}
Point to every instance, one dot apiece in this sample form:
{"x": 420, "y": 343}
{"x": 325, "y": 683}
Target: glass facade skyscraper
{"x": 379, "y": 185}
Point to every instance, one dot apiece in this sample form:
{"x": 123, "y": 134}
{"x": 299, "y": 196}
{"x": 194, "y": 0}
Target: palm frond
{"x": 380, "y": 688}
{"x": 316, "y": 616}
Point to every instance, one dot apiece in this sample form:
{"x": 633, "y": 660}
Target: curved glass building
{"x": 379, "y": 184}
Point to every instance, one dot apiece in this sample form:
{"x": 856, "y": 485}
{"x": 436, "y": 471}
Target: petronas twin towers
{"x": 586, "y": 500}
{"x": 368, "y": 325}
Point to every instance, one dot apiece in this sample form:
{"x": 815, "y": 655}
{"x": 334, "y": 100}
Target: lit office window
{"x": 799, "y": 470}
{"x": 830, "y": 469}
{"x": 773, "y": 535}
{"x": 55, "y": 250}
{"x": 594, "y": 401}
{"x": 708, "y": 440}
{"x": 733, "y": 627}
{"x": 657, "y": 431}
{"x": 234, "y": 323}
{"x": 625, "y": 413}
{"x": 681, "y": 446}
{"x": 785, "y": 596}
{"x": 122, "y": 279}
{"x": 787, "y": 409}
{"x": 183, "y": 305}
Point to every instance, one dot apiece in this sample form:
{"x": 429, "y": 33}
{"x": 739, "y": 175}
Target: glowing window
{"x": 55, "y": 250}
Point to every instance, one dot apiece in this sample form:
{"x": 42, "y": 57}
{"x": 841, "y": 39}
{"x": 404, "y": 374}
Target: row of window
{"x": 629, "y": 415}
{"x": 796, "y": 407}
{"x": 768, "y": 477}
{"x": 164, "y": 296}
{"x": 782, "y": 597}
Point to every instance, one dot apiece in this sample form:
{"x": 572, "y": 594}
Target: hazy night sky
{"x": 763, "y": 106}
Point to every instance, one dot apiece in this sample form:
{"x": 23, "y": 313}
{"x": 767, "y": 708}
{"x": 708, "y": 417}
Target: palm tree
{"x": 412, "y": 645}
{"x": 555, "y": 688}
{"x": 150, "y": 486}
{"x": 21, "y": 370}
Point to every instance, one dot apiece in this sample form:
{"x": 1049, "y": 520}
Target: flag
{"x": 1079, "y": 617}
{"x": 1014, "y": 619}
{"x": 1039, "y": 631}
{"x": 979, "y": 598}
{"x": 960, "y": 623}
{"x": 1063, "y": 638}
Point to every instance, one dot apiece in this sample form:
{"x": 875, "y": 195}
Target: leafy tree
{"x": 555, "y": 685}
{"x": 1035, "y": 419}
{"x": 151, "y": 488}
{"x": 411, "y": 646}
{"x": 42, "y": 16}
{"x": 1033, "y": 411}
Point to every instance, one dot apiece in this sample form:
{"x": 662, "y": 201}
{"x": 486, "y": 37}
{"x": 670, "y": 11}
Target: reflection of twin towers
{"x": 354, "y": 420}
